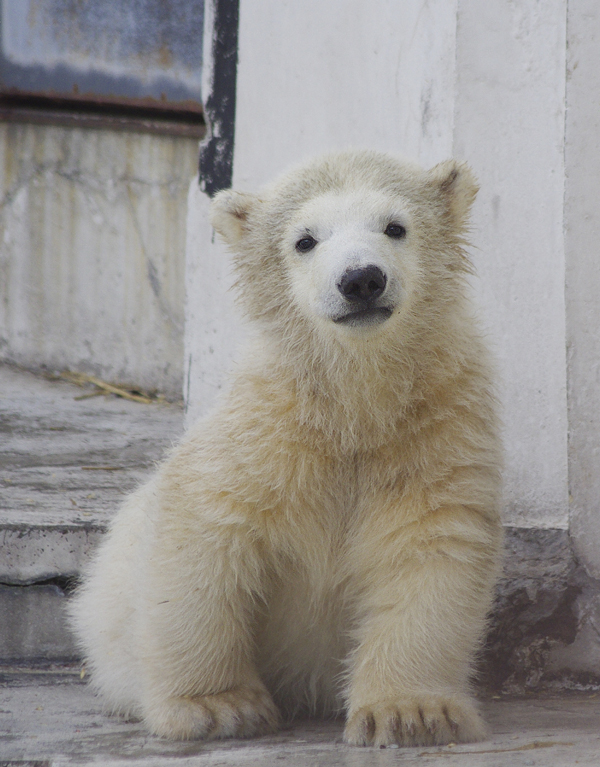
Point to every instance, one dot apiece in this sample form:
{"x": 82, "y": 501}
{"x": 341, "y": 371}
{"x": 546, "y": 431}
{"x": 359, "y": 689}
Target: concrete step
{"x": 51, "y": 719}
{"x": 65, "y": 465}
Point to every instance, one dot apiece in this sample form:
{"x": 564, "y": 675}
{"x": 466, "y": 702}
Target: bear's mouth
{"x": 371, "y": 316}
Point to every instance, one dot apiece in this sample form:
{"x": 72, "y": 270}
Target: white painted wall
{"x": 312, "y": 78}
{"x": 485, "y": 82}
{"x": 509, "y": 124}
{"x": 582, "y": 236}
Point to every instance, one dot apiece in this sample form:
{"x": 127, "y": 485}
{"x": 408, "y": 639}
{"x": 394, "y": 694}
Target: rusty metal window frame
{"x": 44, "y": 105}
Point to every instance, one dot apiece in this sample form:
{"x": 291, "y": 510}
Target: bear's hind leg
{"x": 198, "y": 631}
{"x": 103, "y": 612}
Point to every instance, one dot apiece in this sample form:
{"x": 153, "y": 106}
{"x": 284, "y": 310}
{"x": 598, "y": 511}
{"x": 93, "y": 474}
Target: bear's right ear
{"x": 454, "y": 183}
{"x": 229, "y": 214}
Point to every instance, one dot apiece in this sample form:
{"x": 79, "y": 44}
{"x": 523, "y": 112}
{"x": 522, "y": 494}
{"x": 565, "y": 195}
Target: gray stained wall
{"x": 92, "y": 243}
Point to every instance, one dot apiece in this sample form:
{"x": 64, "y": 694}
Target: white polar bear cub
{"x": 328, "y": 539}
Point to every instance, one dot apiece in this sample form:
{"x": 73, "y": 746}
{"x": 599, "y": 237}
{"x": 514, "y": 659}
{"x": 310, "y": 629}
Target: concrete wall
{"x": 92, "y": 243}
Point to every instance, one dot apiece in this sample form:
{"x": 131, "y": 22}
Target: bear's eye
{"x": 306, "y": 243}
{"x": 395, "y": 230}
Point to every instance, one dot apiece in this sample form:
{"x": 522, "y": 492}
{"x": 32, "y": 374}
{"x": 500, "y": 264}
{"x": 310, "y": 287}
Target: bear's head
{"x": 352, "y": 247}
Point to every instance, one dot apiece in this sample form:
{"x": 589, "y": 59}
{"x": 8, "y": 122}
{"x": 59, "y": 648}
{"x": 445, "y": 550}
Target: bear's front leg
{"x": 202, "y": 582}
{"x": 423, "y": 599}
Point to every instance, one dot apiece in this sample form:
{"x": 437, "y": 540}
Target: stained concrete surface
{"x": 67, "y": 461}
{"x": 53, "y": 719}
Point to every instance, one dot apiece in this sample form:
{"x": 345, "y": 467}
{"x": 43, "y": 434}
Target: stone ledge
{"x": 543, "y": 629}
{"x": 67, "y": 464}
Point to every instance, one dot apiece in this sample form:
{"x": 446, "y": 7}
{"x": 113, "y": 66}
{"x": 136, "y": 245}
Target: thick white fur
{"x": 328, "y": 538}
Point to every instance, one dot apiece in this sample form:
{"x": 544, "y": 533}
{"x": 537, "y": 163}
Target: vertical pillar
{"x": 509, "y": 125}
{"x": 213, "y": 327}
{"x": 582, "y": 236}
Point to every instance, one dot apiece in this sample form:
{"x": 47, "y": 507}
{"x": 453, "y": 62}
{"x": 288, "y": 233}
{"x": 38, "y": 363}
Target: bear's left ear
{"x": 229, "y": 212}
{"x": 455, "y": 184}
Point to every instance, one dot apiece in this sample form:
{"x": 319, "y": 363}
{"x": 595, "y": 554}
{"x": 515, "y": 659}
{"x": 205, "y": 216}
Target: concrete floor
{"x": 50, "y": 718}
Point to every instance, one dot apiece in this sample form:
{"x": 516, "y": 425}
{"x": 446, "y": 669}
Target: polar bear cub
{"x": 328, "y": 539}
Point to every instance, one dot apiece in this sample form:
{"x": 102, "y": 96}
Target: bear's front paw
{"x": 237, "y": 713}
{"x": 416, "y": 720}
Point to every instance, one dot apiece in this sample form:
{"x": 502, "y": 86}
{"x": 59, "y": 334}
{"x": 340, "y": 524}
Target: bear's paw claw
{"x": 419, "y": 720}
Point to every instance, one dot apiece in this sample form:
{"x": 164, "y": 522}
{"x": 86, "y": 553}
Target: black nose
{"x": 365, "y": 284}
